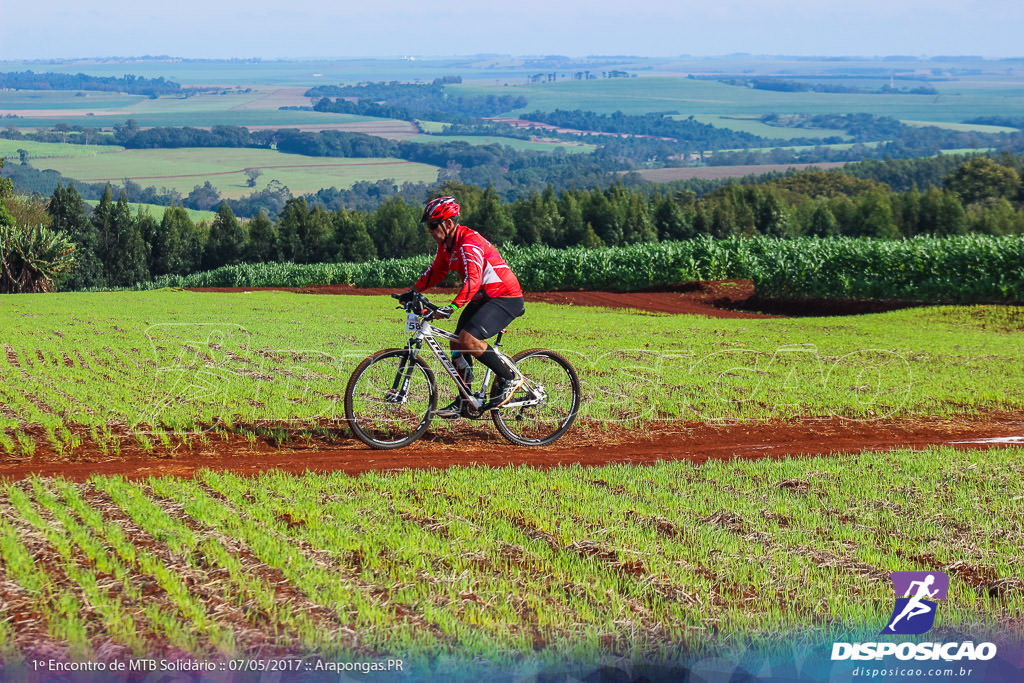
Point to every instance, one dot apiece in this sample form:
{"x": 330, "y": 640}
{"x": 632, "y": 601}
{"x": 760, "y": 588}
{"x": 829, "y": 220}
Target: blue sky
{"x": 315, "y": 28}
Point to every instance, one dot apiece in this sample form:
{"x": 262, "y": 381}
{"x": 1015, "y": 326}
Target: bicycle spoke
{"x": 551, "y": 378}
{"x": 382, "y": 417}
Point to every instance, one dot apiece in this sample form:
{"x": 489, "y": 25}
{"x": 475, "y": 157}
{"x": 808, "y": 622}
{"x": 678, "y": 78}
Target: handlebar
{"x": 418, "y": 305}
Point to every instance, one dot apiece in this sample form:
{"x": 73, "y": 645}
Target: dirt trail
{"x": 477, "y": 443}
{"x": 716, "y": 299}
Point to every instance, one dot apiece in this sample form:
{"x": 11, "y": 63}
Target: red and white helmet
{"x": 440, "y": 209}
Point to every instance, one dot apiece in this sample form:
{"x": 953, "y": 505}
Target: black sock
{"x": 491, "y": 360}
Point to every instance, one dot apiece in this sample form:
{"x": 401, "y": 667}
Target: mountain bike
{"x": 392, "y": 395}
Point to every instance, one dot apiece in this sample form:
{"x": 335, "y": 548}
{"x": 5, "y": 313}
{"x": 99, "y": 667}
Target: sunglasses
{"x": 434, "y": 226}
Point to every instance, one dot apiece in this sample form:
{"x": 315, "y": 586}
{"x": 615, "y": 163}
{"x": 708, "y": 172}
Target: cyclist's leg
{"x": 492, "y": 317}
{"x": 481, "y": 322}
{"x": 462, "y": 359}
{"x": 462, "y": 356}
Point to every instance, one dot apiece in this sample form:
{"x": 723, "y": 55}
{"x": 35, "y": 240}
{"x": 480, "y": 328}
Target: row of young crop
{"x": 659, "y": 562}
{"x": 962, "y": 269}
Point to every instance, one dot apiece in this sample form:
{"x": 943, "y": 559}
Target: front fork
{"x": 399, "y": 391}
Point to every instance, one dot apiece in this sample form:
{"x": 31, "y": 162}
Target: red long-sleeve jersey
{"x": 483, "y": 271}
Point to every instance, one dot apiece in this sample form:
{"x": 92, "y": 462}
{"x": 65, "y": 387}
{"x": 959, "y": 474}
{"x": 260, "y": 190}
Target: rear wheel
{"x": 390, "y": 399}
{"x": 548, "y": 375}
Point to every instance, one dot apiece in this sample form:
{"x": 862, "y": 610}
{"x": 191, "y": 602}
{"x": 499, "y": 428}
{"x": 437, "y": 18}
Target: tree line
{"x": 1010, "y": 121}
{"x": 129, "y": 83}
{"x": 115, "y": 247}
{"x": 410, "y": 101}
{"x": 785, "y": 85}
{"x": 699, "y": 136}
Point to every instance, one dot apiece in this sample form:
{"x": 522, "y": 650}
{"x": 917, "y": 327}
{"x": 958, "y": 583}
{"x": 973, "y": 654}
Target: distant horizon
{"x": 496, "y": 55}
{"x": 303, "y": 29}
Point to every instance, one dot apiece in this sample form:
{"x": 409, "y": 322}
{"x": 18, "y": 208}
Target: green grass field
{"x": 202, "y": 118}
{"x": 77, "y": 363}
{"x": 514, "y": 143}
{"x": 953, "y": 104}
{"x": 752, "y": 124}
{"x": 964, "y": 127}
{"x": 183, "y": 169}
{"x": 431, "y": 126}
{"x": 69, "y": 100}
{"x": 659, "y": 564}
{"x": 46, "y": 150}
{"x": 482, "y": 567}
{"x": 157, "y": 211}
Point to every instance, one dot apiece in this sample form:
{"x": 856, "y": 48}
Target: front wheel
{"x": 549, "y": 401}
{"x": 390, "y": 399}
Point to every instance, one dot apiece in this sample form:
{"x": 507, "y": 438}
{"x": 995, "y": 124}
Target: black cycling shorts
{"x": 485, "y": 317}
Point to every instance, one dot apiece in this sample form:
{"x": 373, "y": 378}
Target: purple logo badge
{"x": 914, "y": 612}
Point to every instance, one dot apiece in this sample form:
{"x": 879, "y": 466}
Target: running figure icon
{"x": 914, "y": 612}
{"x": 915, "y": 607}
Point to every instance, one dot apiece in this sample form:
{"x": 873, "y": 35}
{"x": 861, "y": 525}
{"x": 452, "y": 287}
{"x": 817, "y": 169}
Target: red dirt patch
{"x": 697, "y": 298}
{"x": 715, "y": 299}
{"x": 477, "y": 443}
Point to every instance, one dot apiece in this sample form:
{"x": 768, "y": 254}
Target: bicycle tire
{"x": 545, "y": 423}
{"x": 382, "y": 424}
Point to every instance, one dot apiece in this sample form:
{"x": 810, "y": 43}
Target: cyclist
{"x": 490, "y": 298}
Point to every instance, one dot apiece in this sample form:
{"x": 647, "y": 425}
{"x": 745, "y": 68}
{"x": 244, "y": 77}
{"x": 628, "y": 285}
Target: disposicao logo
{"x": 914, "y": 614}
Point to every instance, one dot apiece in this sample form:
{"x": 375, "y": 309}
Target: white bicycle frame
{"x": 425, "y": 332}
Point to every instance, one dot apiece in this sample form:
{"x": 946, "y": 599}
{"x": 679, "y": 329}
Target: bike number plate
{"x": 412, "y": 323}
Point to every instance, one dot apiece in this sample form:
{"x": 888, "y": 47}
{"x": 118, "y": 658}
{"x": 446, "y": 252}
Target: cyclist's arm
{"x": 434, "y": 274}
{"x": 472, "y": 258}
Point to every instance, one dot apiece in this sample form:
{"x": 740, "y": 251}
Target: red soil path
{"x": 477, "y": 443}
{"x": 715, "y": 299}
{"x": 705, "y": 298}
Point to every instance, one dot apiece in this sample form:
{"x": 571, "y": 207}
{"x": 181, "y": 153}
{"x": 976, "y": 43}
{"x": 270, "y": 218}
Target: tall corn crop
{"x": 964, "y": 269}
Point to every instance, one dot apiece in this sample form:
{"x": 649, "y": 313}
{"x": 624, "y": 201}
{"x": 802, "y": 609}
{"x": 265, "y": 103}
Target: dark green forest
{"x": 129, "y": 83}
{"x": 977, "y": 194}
{"x": 409, "y": 101}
